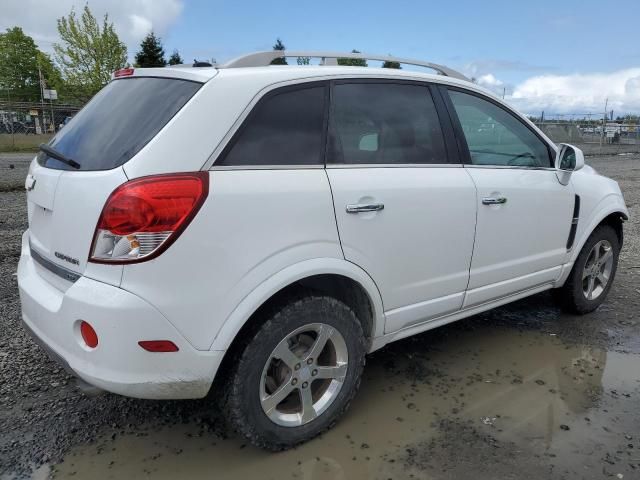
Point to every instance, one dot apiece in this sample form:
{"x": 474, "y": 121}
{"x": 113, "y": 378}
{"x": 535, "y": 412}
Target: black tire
{"x": 571, "y": 296}
{"x": 243, "y": 404}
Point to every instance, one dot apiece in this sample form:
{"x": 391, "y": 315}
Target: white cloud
{"x": 489, "y": 81}
{"x": 577, "y": 93}
{"x": 132, "y": 18}
{"x": 494, "y": 84}
{"x": 580, "y": 93}
{"x": 487, "y": 65}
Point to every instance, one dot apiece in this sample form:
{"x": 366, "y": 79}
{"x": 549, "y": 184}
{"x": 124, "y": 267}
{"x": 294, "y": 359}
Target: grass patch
{"x": 20, "y": 142}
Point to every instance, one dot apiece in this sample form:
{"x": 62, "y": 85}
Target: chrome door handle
{"x": 494, "y": 200}
{"x": 365, "y": 207}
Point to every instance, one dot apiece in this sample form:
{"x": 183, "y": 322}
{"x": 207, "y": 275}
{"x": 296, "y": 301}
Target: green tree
{"x": 279, "y": 46}
{"x": 175, "y": 58}
{"x": 20, "y": 60}
{"x": 303, "y": 61}
{"x": 151, "y": 53}
{"x": 389, "y": 64}
{"x": 89, "y": 53}
{"x": 353, "y": 62}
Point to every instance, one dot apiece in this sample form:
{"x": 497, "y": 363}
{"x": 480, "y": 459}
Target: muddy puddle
{"x": 490, "y": 402}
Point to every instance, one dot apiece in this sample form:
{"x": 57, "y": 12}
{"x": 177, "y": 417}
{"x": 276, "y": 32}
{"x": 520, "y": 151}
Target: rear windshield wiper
{"x": 53, "y": 153}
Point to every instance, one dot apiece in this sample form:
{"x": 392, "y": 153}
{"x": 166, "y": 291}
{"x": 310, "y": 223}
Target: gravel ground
{"x": 43, "y": 417}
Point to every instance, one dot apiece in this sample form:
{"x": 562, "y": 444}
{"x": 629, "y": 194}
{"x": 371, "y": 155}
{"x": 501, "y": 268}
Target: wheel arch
{"x": 335, "y": 277}
{"x": 613, "y": 213}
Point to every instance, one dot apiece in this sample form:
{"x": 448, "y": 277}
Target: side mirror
{"x": 568, "y": 160}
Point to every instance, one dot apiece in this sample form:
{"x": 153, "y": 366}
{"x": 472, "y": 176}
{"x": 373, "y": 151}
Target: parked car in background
{"x": 266, "y": 227}
{"x": 66, "y": 120}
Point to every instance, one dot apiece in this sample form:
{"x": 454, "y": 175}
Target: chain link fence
{"x": 594, "y": 136}
{"x": 25, "y": 125}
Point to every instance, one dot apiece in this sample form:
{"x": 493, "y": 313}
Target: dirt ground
{"x": 524, "y": 391}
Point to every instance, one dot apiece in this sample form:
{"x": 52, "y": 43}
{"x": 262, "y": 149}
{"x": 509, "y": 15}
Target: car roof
{"x": 282, "y": 73}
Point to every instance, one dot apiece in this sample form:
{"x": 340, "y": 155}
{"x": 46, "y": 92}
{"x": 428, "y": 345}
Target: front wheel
{"x": 298, "y": 373}
{"x": 593, "y": 272}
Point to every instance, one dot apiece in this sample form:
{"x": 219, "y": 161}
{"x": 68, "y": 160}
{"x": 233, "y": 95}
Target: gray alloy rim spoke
{"x": 608, "y": 254}
{"x": 337, "y": 372}
{"x": 602, "y": 278}
{"x": 273, "y": 400}
{"x": 308, "y": 410}
{"x": 590, "y": 287}
{"x": 323, "y": 335}
{"x": 284, "y": 353}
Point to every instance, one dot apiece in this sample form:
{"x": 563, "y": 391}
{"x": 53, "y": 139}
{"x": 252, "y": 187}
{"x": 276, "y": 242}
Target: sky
{"x": 560, "y": 56}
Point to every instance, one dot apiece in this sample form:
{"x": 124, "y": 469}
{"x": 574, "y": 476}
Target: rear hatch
{"x": 64, "y": 202}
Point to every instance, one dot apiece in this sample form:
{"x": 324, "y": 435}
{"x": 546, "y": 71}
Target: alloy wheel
{"x": 597, "y": 270}
{"x": 303, "y": 375}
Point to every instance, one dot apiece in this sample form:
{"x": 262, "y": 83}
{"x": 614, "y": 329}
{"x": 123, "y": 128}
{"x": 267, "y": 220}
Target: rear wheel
{"x": 298, "y": 373}
{"x": 593, "y": 272}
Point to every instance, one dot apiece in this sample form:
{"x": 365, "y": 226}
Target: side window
{"x": 285, "y": 128}
{"x": 496, "y": 137}
{"x": 384, "y": 123}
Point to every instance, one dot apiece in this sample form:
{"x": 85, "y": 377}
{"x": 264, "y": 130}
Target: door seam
{"x": 335, "y": 215}
{"x": 475, "y": 234}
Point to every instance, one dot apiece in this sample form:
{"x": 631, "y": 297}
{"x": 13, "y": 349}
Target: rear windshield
{"x": 119, "y": 121}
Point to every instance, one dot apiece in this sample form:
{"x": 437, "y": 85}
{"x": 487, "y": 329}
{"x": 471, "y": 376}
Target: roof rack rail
{"x": 263, "y": 59}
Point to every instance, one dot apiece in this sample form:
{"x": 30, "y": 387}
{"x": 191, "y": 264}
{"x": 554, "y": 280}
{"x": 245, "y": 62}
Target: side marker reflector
{"x": 158, "y": 345}
{"x": 89, "y": 335}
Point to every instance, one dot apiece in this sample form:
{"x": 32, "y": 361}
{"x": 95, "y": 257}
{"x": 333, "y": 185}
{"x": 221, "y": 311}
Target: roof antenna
{"x": 196, "y": 63}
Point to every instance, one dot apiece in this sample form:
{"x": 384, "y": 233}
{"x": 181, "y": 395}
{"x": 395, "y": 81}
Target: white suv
{"x": 268, "y": 226}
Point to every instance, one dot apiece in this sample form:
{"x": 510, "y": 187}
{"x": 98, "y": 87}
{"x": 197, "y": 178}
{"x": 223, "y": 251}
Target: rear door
{"x": 524, "y": 213}
{"x": 64, "y": 202}
{"x": 405, "y": 212}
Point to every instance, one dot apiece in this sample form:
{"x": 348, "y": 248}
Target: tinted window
{"x": 496, "y": 137}
{"x": 119, "y": 121}
{"x": 385, "y": 123}
{"x": 285, "y": 128}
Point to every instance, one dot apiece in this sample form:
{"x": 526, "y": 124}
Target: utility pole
{"x": 41, "y": 99}
{"x": 13, "y": 130}
{"x": 53, "y": 121}
{"x": 604, "y": 119}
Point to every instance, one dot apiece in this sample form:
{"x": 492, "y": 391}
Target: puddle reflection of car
{"x": 268, "y": 226}
{"x": 572, "y": 385}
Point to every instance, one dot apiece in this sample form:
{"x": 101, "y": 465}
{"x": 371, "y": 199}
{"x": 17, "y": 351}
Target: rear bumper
{"x": 121, "y": 319}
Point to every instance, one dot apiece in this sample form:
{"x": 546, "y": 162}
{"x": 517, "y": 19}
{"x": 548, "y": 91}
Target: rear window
{"x": 119, "y": 121}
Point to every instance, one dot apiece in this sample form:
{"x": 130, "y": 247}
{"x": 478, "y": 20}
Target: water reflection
{"x": 516, "y": 386}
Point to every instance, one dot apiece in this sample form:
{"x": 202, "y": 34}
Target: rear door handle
{"x": 365, "y": 207}
{"x": 494, "y": 200}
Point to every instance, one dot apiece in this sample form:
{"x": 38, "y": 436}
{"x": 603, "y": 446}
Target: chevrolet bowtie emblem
{"x": 30, "y": 183}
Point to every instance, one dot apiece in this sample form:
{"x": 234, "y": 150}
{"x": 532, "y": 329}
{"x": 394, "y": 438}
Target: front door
{"x": 524, "y": 213}
{"x": 405, "y": 214}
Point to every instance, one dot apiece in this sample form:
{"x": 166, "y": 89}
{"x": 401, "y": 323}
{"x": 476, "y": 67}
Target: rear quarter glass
{"x": 118, "y": 121}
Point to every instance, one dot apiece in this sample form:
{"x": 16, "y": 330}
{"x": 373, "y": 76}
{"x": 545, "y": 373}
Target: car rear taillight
{"x": 144, "y": 216}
